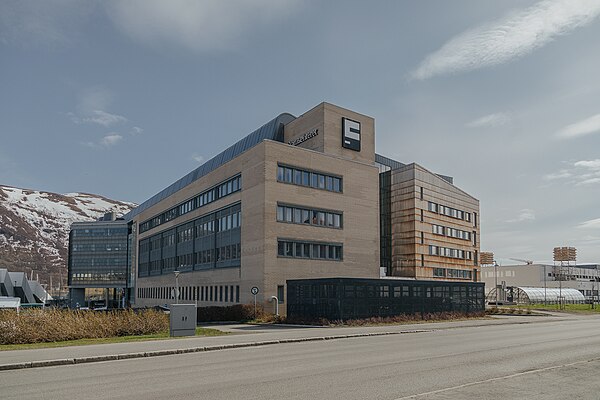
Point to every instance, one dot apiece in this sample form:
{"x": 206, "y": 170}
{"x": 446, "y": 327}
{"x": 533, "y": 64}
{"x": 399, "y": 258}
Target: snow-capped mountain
{"x": 34, "y": 227}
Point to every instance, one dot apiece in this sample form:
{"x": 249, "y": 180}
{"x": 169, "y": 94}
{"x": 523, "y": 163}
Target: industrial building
{"x": 584, "y": 278}
{"x": 300, "y": 197}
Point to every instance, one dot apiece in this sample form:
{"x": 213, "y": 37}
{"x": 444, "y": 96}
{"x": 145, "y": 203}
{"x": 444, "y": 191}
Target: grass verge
{"x": 575, "y": 308}
{"x": 117, "y": 339}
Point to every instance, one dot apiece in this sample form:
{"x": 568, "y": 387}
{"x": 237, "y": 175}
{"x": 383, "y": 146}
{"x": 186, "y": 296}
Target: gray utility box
{"x": 183, "y": 320}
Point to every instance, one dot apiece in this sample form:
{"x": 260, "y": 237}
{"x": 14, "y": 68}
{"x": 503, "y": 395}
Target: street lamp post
{"x": 176, "y": 286}
{"x": 44, "y": 286}
{"x": 496, "y": 281}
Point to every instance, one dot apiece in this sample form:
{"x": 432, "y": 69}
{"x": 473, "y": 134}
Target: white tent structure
{"x": 537, "y": 295}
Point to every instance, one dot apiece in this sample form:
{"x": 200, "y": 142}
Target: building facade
{"x": 299, "y": 198}
{"x": 430, "y": 227}
{"x": 99, "y": 263}
{"x": 583, "y": 277}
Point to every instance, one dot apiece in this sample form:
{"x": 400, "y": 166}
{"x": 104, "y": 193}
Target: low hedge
{"x": 238, "y": 312}
{"x": 53, "y": 325}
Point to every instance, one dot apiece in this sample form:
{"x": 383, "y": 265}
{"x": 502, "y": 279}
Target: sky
{"x": 122, "y": 98}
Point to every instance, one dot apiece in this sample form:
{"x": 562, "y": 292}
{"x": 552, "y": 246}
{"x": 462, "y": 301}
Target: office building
{"x": 99, "y": 270}
{"x": 300, "y": 198}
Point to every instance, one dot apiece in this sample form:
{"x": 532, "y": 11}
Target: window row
{"x": 96, "y": 232}
{"x": 224, "y": 189}
{"x": 220, "y": 293}
{"x": 223, "y": 253}
{"x": 89, "y": 262}
{"x": 320, "y": 251}
{"x": 452, "y": 273}
{"x": 87, "y": 277}
{"x": 298, "y": 215}
{"x": 451, "y": 232}
{"x": 311, "y": 179}
{"x": 223, "y": 220}
{"x": 448, "y": 252}
{"x": 95, "y": 247}
{"x": 449, "y": 211}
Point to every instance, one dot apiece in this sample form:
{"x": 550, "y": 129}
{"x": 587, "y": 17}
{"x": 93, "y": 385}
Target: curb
{"x": 157, "y": 353}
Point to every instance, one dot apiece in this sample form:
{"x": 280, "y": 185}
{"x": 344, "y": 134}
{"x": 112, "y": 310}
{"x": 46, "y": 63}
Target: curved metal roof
{"x": 272, "y": 130}
{"x": 536, "y": 294}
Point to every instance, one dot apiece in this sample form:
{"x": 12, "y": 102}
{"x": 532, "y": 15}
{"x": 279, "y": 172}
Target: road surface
{"x": 555, "y": 358}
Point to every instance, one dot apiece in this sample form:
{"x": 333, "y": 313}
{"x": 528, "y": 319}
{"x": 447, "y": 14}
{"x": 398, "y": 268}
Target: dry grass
{"x": 51, "y": 325}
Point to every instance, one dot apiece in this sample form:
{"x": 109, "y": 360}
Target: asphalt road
{"x": 550, "y": 359}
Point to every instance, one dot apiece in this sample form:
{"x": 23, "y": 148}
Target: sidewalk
{"x": 242, "y": 335}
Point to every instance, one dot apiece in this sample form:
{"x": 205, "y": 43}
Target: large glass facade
{"x": 98, "y": 254}
{"x": 211, "y": 241}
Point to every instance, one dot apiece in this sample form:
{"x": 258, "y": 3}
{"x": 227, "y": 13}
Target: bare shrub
{"x": 52, "y": 325}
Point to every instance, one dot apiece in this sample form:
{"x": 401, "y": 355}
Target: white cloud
{"x": 591, "y": 224}
{"x": 136, "y": 130}
{"x": 103, "y": 118}
{"x": 588, "y": 181}
{"x": 508, "y": 38}
{"x": 108, "y": 140}
{"x": 197, "y": 25}
{"x": 594, "y": 165}
{"x": 111, "y": 139}
{"x": 584, "y": 172}
{"x": 198, "y": 158}
{"x": 491, "y": 120}
{"x": 581, "y": 128}
{"x": 563, "y": 173}
{"x": 97, "y": 117}
{"x": 525, "y": 214}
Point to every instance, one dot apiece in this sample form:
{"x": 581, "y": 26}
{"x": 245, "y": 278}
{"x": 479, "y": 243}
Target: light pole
{"x": 496, "y": 281}
{"x": 176, "y": 286}
{"x": 545, "y": 275}
{"x": 44, "y": 286}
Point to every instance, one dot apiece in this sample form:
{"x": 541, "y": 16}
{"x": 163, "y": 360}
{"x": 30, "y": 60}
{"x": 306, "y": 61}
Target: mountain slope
{"x": 34, "y": 228}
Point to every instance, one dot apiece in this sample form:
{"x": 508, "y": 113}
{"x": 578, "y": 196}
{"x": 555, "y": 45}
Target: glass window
{"x": 297, "y": 177}
{"x": 288, "y": 214}
{"x": 329, "y": 183}
{"x": 297, "y": 215}
{"x": 314, "y": 180}
{"x": 305, "y": 217}
{"x": 299, "y": 249}
{"x": 289, "y": 250}
{"x": 316, "y": 251}
{"x": 337, "y": 221}
{"x": 321, "y": 181}
{"x": 320, "y": 218}
{"x": 306, "y": 250}
{"x": 305, "y": 178}
{"x": 329, "y": 219}
{"x": 280, "y": 174}
{"x": 337, "y": 185}
{"x": 288, "y": 175}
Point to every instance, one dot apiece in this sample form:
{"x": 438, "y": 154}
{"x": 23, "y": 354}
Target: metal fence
{"x": 355, "y": 298}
